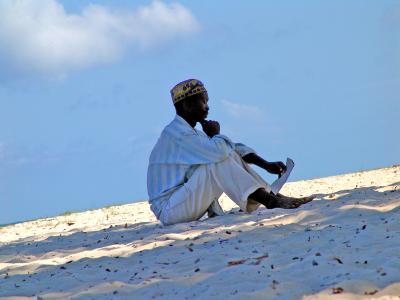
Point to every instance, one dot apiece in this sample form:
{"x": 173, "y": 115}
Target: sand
{"x": 343, "y": 245}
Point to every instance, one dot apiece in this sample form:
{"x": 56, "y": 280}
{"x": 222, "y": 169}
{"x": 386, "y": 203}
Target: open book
{"x": 278, "y": 184}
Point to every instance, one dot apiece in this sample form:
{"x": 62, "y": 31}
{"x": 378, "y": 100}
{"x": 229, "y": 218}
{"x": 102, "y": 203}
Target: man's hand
{"x": 277, "y": 167}
{"x": 211, "y": 128}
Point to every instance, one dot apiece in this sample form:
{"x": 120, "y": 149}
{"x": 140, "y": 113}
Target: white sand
{"x": 344, "y": 245}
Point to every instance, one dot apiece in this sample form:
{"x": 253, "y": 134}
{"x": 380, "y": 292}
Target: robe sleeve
{"x": 240, "y": 148}
{"x": 243, "y": 150}
{"x": 201, "y": 149}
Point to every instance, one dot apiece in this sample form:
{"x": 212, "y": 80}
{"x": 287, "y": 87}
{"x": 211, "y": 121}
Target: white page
{"x": 278, "y": 184}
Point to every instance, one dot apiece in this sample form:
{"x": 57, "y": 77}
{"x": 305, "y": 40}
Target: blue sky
{"x": 84, "y": 90}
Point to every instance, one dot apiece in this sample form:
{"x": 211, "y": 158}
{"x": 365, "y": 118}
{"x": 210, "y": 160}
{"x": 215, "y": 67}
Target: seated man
{"x": 190, "y": 169}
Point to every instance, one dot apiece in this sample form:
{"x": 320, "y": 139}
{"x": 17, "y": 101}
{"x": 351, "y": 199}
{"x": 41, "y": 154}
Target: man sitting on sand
{"x": 189, "y": 169}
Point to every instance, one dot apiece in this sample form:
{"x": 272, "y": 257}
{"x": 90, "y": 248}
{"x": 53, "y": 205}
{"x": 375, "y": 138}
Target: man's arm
{"x": 212, "y": 128}
{"x": 197, "y": 148}
{"x": 277, "y": 167}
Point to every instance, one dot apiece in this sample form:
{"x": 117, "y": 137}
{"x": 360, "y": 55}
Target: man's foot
{"x": 301, "y": 198}
{"x": 270, "y": 200}
{"x": 290, "y": 202}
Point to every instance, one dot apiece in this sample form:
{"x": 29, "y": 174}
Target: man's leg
{"x": 191, "y": 201}
{"x": 232, "y": 176}
{"x": 262, "y": 194}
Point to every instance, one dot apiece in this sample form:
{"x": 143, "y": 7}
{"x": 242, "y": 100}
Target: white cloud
{"x": 238, "y": 110}
{"x": 41, "y": 37}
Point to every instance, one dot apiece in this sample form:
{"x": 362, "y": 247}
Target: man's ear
{"x": 187, "y": 106}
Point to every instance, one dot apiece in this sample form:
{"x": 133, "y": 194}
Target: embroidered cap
{"x": 187, "y": 88}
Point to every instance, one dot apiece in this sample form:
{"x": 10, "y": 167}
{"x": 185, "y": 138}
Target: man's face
{"x": 198, "y": 107}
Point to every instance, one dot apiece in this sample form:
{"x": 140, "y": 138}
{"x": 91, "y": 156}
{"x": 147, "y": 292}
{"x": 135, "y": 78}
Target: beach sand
{"x": 343, "y": 245}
